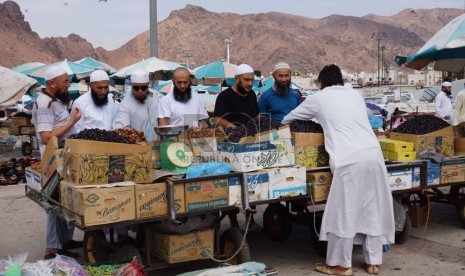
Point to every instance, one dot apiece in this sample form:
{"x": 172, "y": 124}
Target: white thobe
{"x": 179, "y": 113}
{"x": 360, "y": 199}
{"x": 459, "y": 111}
{"x": 94, "y": 116}
{"x": 443, "y": 106}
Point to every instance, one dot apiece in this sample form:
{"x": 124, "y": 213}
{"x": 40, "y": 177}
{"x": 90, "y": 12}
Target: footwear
{"x": 73, "y": 245}
{"x": 372, "y": 269}
{"x": 325, "y": 269}
{"x": 61, "y": 252}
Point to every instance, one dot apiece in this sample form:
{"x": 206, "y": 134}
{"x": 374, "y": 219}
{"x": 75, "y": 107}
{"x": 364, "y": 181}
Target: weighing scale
{"x": 173, "y": 154}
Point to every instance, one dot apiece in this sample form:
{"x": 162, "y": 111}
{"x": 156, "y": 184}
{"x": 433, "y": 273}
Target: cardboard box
{"x": 182, "y": 248}
{"x": 400, "y": 179}
{"x": 151, "y": 200}
{"x": 395, "y": 145}
{"x": 287, "y": 181}
{"x": 257, "y": 184}
{"x": 459, "y": 146}
{"x": 100, "y": 204}
{"x": 21, "y": 121}
{"x": 418, "y": 215}
{"x": 319, "y": 184}
{"x": 399, "y": 156}
{"x": 256, "y": 156}
{"x": 52, "y": 160}
{"x": 33, "y": 179}
{"x": 442, "y": 140}
{"x": 433, "y": 173}
{"x": 92, "y": 162}
{"x": 453, "y": 170}
{"x": 206, "y": 195}
{"x": 204, "y": 147}
{"x": 310, "y": 150}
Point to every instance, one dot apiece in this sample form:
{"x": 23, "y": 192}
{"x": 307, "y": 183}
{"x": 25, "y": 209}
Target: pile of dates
{"x": 251, "y": 128}
{"x": 13, "y": 170}
{"x": 101, "y": 135}
{"x": 306, "y": 126}
{"x": 195, "y": 133}
{"x": 421, "y": 124}
{"x": 132, "y": 134}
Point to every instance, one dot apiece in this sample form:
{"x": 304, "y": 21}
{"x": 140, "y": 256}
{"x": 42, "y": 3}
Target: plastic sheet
{"x": 205, "y": 169}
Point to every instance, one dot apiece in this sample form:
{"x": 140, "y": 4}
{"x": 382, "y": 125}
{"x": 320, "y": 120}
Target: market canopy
{"x": 155, "y": 66}
{"x": 27, "y": 66}
{"x": 13, "y": 86}
{"x": 446, "y": 48}
{"x": 217, "y": 69}
{"x": 72, "y": 68}
{"x": 96, "y": 64}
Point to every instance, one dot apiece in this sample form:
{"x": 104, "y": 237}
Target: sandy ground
{"x": 441, "y": 252}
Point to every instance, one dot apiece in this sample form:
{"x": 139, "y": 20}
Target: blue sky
{"x": 110, "y": 24}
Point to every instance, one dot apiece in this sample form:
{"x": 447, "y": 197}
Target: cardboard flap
{"x": 118, "y": 184}
{"x": 51, "y": 160}
{"x": 86, "y": 146}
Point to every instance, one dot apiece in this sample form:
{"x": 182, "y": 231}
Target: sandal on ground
{"x": 372, "y": 269}
{"x": 327, "y": 270}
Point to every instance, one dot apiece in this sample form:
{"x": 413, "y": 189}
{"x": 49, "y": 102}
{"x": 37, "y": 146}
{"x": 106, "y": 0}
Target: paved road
{"x": 440, "y": 252}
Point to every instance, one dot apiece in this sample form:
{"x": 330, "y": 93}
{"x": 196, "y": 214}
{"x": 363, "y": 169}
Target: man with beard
{"x": 51, "y": 118}
{"x": 97, "y": 105}
{"x": 181, "y": 107}
{"x": 139, "y": 109}
{"x": 443, "y": 103}
{"x": 280, "y": 99}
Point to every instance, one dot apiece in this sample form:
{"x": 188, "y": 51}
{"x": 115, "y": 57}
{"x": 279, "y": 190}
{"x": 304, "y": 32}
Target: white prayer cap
{"x": 281, "y": 65}
{"x": 446, "y": 84}
{"x": 54, "y": 72}
{"x": 99, "y": 75}
{"x": 243, "y": 69}
{"x": 139, "y": 75}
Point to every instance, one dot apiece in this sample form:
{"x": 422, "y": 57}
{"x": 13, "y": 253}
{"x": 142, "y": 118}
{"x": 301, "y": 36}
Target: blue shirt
{"x": 278, "y": 105}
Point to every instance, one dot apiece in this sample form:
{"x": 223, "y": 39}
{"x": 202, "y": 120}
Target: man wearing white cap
{"x": 97, "y": 105}
{"x": 443, "y": 103}
{"x": 238, "y": 104}
{"x": 280, "y": 99}
{"x": 51, "y": 117}
{"x": 139, "y": 109}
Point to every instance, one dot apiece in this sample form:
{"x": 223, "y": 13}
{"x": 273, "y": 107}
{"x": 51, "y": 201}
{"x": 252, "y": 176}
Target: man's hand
{"x": 76, "y": 114}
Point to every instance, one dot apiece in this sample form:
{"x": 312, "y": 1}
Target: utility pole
{"x": 187, "y": 54}
{"x": 227, "y": 41}
{"x": 379, "y": 36}
{"x": 153, "y": 29}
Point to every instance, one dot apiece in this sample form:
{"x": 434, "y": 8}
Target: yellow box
{"x": 151, "y": 200}
{"x": 310, "y": 150}
{"x": 319, "y": 184}
{"x": 100, "y": 204}
{"x": 181, "y": 248}
{"x": 442, "y": 140}
{"x": 92, "y": 162}
{"x": 399, "y": 156}
{"x": 395, "y": 145}
{"x": 206, "y": 195}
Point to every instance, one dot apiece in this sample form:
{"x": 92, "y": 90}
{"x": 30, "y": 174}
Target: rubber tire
{"x": 320, "y": 247}
{"x": 457, "y": 191}
{"x": 26, "y": 149}
{"x": 461, "y": 212}
{"x": 403, "y": 236}
{"x": 95, "y": 249}
{"x": 230, "y": 241}
{"x": 277, "y": 222}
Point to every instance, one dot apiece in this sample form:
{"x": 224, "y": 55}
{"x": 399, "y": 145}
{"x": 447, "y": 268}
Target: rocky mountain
{"x": 260, "y": 40}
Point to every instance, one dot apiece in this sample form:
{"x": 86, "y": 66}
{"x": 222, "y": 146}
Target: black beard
{"x": 282, "y": 89}
{"x": 98, "y": 102}
{"x": 448, "y": 93}
{"x": 64, "y": 97}
{"x": 182, "y": 97}
{"x": 242, "y": 90}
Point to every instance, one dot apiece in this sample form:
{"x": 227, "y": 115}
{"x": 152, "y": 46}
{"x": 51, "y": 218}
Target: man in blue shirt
{"x": 280, "y": 99}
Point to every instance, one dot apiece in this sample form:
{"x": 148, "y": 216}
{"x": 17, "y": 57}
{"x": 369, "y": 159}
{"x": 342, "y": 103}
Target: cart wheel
{"x": 26, "y": 148}
{"x": 277, "y": 222}
{"x": 95, "y": 249}
{"x": 230, "y": 242}
{"x": 403, "y": 236}
{"x": 457, "y": 191}
{"x": 320, "y": 246}
{"x": 461, "y": 212}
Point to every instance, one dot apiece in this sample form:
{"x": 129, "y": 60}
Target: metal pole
{"x": 379, "y": 40}
{"x": 153, "y": 29}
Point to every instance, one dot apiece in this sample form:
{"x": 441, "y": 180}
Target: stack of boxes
{"x": 397, "y": 150}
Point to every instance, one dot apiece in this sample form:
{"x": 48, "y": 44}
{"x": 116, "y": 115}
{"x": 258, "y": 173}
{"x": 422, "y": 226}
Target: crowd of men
{"x": 359, "y": 208}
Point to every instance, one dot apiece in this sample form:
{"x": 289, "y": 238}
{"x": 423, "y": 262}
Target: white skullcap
{"x": 446, "y": 84}
{"x": 281, "y": 65}
{"x": 243, "y": 69}
{"x": 54, "y": 72}
{"x": 99, "y": 75}
{"x": 139, "y": 75}
{"x": 348, "y": 85}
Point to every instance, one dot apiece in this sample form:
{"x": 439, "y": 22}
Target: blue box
{"x": 433, "y": 174}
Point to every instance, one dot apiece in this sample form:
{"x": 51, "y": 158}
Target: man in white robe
{"x": 443, "y": 103}
{"x": 359, "y": 208}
